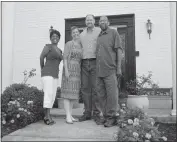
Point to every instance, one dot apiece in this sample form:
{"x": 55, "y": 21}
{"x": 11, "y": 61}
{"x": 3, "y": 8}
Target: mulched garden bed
{"x": 168, "y": 130}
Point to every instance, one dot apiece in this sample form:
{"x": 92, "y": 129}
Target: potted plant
{"x": 137, "y": 93}
{"x": 160, "y": 98}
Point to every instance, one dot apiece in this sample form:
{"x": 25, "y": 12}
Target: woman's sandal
{"x": 75, "y": 120}
{"x": 69, "y": 122}
{"x": 48, "y": 122}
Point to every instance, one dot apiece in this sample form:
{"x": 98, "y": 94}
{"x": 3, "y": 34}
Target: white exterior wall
{"x": 7, "y": 42}
{"x": 33, "y": 19}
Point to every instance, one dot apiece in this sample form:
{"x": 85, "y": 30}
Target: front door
{"x": 124, "y": 24}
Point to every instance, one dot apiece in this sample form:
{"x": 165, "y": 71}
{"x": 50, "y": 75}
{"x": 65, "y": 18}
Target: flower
{"x": 136, "y": 135}
{"x": 117, "y": 114}
{"x": 164, "y": 138}
{"x": 123, "y": 124}
{"x": 148, "y": 136}
{"x": 135, "y": 123}
{"x": 12, "y": 121}
{"x": 22, "y": 108}
{"x": 121, "y": 110}
{"x": 152, "y": 121}
{"x": 19, "y": 108}
{"x": 136, "y": 120}
{"x": 123, "y": 105}
{"x": 130, "y": 121}
{"x": 29, "y": 113}
{"x": 4, "y": 122}
{"x": 30, "y": 102}
{"x": 25, "y": 110}
{"x": 18, "y": 104}
{"x": 13, "y": 102}
{"x": 18, "y": 99}
{"x": 18, "y": 115}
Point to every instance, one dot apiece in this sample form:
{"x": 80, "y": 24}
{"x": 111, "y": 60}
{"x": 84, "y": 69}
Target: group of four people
{"x": 92, "y": 63}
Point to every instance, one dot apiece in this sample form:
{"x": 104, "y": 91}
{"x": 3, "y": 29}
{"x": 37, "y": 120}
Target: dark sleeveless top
{"x": 53, "y": 58}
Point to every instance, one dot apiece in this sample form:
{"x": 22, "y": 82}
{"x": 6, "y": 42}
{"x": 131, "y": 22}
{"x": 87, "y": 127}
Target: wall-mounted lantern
{"x": 149, "y": 27}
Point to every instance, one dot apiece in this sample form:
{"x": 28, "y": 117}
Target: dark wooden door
{"x": 123, "y": 36}
{"x": 124, "y": 24}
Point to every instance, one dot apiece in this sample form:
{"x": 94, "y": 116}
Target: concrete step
{"x": 160, "y": 115}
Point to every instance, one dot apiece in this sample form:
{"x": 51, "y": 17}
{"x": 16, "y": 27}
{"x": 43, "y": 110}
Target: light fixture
{"x": 149, "y": 27}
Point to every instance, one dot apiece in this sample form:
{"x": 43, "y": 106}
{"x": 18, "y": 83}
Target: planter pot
{"x": 138, "y": 101}
{"x": 160, "y": 102}
{"x": 75, "y": 105}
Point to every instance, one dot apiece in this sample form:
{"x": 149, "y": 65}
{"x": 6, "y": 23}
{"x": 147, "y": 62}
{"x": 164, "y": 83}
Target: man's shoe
{"x": 100, "y": 121}
{"x": 84, "y": 118}
{"x": 110, "y": 123}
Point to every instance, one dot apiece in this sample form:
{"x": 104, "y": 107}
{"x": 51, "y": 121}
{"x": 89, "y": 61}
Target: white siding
{"x": 33, "y": 20}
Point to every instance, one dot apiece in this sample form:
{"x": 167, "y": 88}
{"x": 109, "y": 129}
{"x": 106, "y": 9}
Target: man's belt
{"x": 89, "y": 59}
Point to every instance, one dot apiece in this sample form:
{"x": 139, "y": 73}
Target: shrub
{"x": 135, "y": 125}
{"x": 21, "y": 105}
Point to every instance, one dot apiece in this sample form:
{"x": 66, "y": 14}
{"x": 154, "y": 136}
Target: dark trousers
{"x": 88, "y": 87}
{"x": 107, "y": 89}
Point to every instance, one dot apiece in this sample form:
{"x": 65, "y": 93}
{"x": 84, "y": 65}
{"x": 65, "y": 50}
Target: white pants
{"x": 50, "y": 89}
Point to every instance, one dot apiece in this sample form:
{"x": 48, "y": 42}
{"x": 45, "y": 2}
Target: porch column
{"x": 173, "y": 50}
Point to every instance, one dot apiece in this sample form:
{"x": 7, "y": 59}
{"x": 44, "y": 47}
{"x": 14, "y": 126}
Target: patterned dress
{"x": 70, "y": 88}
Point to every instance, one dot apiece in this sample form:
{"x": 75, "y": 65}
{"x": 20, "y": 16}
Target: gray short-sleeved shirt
{"x": 89, "y": 41}
{"x": 106, "y": 53}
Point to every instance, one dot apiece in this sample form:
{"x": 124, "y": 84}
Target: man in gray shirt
{"x": 88, "y": 69}
{"x": 109, "y": 56}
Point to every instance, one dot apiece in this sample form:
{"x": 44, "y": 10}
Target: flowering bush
{"x": 140, "y": 84}
{"x": 135, "y": 125}
{"x": 20, "y": 106}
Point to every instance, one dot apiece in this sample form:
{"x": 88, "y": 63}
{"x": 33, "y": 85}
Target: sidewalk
{"x": 79, "y": 131}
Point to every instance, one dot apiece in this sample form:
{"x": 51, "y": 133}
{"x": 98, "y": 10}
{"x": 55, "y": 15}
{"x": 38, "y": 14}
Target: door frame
{"x": 123, "y": 19}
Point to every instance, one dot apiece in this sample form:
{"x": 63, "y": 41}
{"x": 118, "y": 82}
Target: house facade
{"x": 25, "y": 31}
